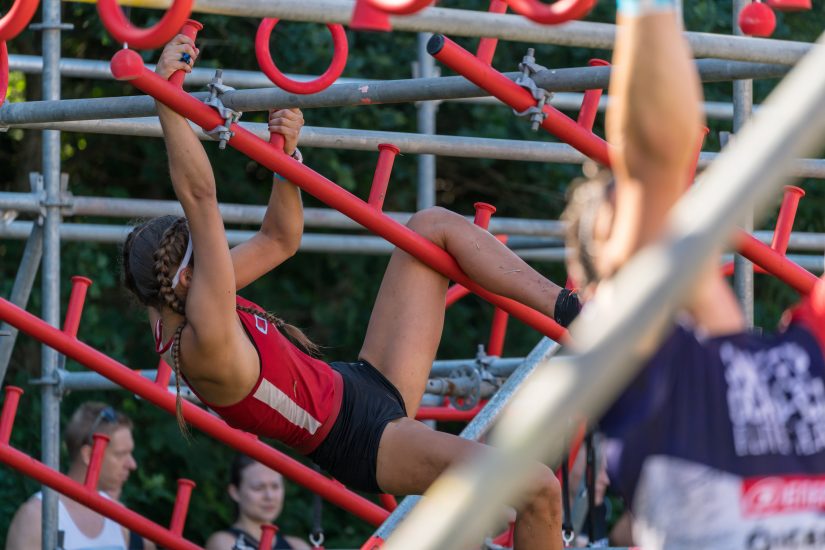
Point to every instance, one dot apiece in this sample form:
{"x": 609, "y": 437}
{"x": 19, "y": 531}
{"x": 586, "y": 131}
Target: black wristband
{"x": 567, "y": 307}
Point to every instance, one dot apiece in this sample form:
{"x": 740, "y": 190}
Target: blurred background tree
{"x": 330, "y": 295}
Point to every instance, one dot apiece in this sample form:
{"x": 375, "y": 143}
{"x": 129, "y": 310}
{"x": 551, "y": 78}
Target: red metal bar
{"x": 10, "y": 403}
{"x": 4, "y": 71}
{"x": 92, "y": 499}
{"x": 388, "y": 502}
{"x": 17, "y": 18}
{"x": 75, "y": 308}
{"x": 498, "y": 330}
{"x": 367, "y": 18}
{"x": 164, "y": 374}
{"x": 487, "y": 46}
{"x": 381, "y": 179}
{"x": 128, "y": 65}
{"x": 484, "y": 212}
{"x": 448, "y": 414}
{"x": 277, "y": 141}
{"x": 776, "y": 264}
{"x": 96, "y": 461}
{"x": 190, "y": 29}
{"x": 484, "y": 76}
{"x": 554, "y": 13}
{"x": 787, "y": 214}
{"x": 199, "y": 418}
{"x": 336, "y": 67}
{"x": 590, "y": 102}
{"x": 400, "y": 7}
{"x": 268, "y": 532}
{"x": 181, "y": 508}
{"x": 144, "y": 39}
{"x": 373, "y": 543}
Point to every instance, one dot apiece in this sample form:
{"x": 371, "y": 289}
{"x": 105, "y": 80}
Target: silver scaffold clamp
{"x": 528, "y": 68}
{"x": 222, "y": 132}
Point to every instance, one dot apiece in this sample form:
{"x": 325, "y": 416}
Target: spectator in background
{"x": 258, "y": 492}
{"x": 80, "y": 528}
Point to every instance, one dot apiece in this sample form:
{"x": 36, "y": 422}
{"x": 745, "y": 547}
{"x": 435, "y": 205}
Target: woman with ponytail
{"x": 354, "y": 419}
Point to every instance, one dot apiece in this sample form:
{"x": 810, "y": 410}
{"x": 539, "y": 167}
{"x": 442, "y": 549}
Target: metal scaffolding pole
{"x": 356, "y": 93}
{"x": 20, "y": 291}
{"x": 742, "y": 109}
{"x": 426, "y": 125}
{"x": 50, "y": 418}
{"x": 620, "y": 327}
{"x": 482, "y": 422}
{"x": 456, "y": 22}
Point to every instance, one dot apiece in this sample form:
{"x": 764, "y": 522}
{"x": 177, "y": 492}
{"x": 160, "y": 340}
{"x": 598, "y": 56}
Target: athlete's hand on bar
{"x": 171, "y": 59}
{"x": 288, "y": 123}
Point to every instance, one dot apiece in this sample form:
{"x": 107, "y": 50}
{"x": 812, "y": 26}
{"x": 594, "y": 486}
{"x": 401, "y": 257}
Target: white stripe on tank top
{"x": 268, "y": 393}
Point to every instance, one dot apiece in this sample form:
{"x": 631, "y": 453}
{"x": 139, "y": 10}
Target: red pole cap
{"x": 757, "y": 19}
{"x": 127, "y": 65}
{"x": 484, "y": 212}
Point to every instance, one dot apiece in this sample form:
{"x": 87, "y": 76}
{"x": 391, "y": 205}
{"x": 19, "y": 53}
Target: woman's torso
{"x": 245, "y": 541}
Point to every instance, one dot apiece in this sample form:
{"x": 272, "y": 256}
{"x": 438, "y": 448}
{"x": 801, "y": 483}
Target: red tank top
{"x": 296, "y": 399}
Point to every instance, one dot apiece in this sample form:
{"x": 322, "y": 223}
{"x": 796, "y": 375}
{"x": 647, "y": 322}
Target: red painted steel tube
{"x": 277, "y": 141}
{"x": 388, "y": 502}
{"x": 498, "y": 331}
{"x": 184, "y": 494}
{"x": 163, "y": 374}
{"x": 336, "y": 67}
{"x": 381, "y": 179}
{"x": 96, "y": 461}
{"x": 75, "y": 308}
{"x": 487, "y": 46}
{"x": 400, "y": 7}
{"x": 484, "y": 76}
{"x": 128, "y": 65}
{"x": 190, "y": 29}
{"x": 199, "y": 418}
{"x": 484, "y": 212}
{"x": 560, "y": 11}
{"x": 144, "y": 39}
{"x": 268, "y": 532}
{"x": 776, "y": 264}
{"x": 366, "y": 18}
{"x": 4, "y": 71}
{"x": 590, "y": 102}
{"x": 784, "y": 221}
{"x": 373, "y": 543}
{"x": 92, "y": 499}
{"x": 448, "y": 414}
{"x": 10, "y": 403}
{"x": 17, "y": 18}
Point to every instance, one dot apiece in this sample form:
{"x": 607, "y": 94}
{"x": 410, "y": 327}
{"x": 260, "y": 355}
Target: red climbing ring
{"x": 17, "y": 18}
{"x": 4, "y": 71}
{"x": 144, "y": 39}
{"x": 339, "y": 60}
{"x": 400, "y": 7}
{"x": 560, "y": 11}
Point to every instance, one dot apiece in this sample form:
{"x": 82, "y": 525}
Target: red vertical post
{"x": 185, "y": 487}
{"x": 10, "y": 403}
{"x": 381, "y": 179}
{"x": 100, "y": 441}
{"x": 75, "y": 307}
{"x": 498, "y": 330}
{"x": 190, "y": 29}
{"x": 487, "y": 46}
{"x": 164, "y": 374}
{"x": 484, "y": 212}
{"x": 388, "y": 501}
{"x": 787, "y": 214}
{"x": 268, "y": 532}
{"x": 277, "y": 141}
{"x": 590, "y": 103}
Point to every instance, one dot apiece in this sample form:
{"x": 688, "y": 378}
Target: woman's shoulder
{"x": 220, "y": 540}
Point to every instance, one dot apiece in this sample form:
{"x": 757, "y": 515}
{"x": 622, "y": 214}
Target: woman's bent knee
{"x": 434, "y": 222}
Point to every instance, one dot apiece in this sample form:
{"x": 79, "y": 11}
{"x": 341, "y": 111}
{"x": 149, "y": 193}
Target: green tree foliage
{"x": 328, "y": 294}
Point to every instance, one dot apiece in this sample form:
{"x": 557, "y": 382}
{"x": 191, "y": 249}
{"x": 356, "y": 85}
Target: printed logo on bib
{"x": 778, "y": 495}
{"x": 776, "y": 406}
{"x": 261, "y": 324}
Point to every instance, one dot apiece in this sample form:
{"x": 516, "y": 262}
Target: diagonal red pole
{"x": 128, "y": 65}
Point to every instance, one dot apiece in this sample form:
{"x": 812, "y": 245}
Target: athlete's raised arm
{"x": 280, "y": 233}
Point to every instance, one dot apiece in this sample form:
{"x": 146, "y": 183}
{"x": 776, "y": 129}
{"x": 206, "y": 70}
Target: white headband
{"x": 184, "y": 263}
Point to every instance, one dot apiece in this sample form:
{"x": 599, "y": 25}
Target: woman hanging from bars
{"x": 719, "y": 442}
{"x": 262, "y": 375}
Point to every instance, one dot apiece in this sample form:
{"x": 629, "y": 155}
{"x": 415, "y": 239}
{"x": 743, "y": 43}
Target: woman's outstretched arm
{"x": 283, "y": 224}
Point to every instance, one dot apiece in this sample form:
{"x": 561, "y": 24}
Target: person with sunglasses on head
{"x": 355, "y": 419}
{"x": 80, "y": 528}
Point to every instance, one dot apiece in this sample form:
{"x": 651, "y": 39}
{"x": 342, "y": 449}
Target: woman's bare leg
{"x": 411, "y": 456}
{"x": 408, "y": 316}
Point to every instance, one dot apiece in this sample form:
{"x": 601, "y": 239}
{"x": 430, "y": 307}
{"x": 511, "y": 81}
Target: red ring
{"x": 4, "y": 71}
{"x": 145, "y": 39}
{"x": 552, "y": 14}
{"x": 400, "y": 7}
{"x": 17, "y": 18}
{"x": 336, "y": 67}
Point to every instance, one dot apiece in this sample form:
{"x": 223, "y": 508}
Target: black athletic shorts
{"x": 350, "y": 450}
